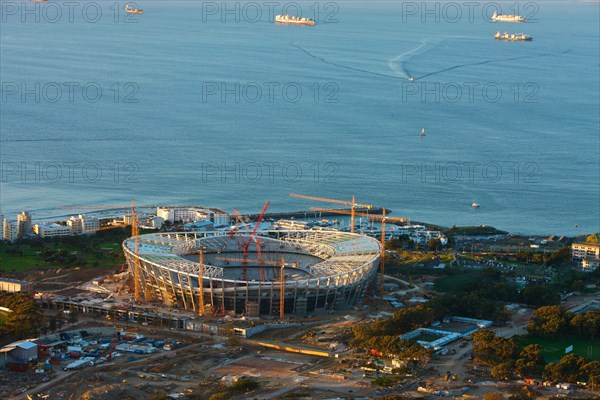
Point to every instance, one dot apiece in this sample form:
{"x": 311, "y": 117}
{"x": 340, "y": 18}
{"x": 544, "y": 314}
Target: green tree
{"x": 530, "y": 362}
{"x": 591, "y": 371}
{"x": 568, "y": 369}
{"x": 490, "y": 350}
{"x": 503, "y": 371}
{"x": 540, "y": 295}
{"x": 548, "y": 321}
{"x": 560, "y": 256}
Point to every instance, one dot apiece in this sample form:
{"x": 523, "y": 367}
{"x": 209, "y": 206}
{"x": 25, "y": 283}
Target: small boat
{"x": 410, "y": 78}
{"x": 129, "y": 9}
{"x": 475, "y": 205}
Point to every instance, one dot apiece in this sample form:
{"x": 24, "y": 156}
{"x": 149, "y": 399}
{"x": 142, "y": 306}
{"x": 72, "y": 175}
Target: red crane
{"x": 246, "y": 245}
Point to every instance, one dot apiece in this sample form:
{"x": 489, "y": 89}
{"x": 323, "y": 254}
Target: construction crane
{"x": 359, "y": 214}
{"x": 353, "y": 204}
{"x": 382, "y": 261}
{"x": 239, "y": 222}
{"x": 246, "y": 244}
{"x": 282, "y": 290}
{"x": 201, "y": 282}
{"x": 384, "y": 219}
{"x": 134, "y": 221}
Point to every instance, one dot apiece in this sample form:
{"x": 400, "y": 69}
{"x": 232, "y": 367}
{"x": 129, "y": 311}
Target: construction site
{"x": 201, "y": 314}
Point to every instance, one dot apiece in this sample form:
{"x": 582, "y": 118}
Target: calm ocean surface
{"x": 197, "y": 108}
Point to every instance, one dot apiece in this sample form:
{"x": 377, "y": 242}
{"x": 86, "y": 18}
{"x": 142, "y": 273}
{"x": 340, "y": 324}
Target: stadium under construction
{"x": 246, "y": 273}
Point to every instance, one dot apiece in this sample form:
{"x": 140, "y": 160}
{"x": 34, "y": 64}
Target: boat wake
{"x": 342, "y": 65}
{"x": 397, "y": 64}
{"x": 493, "y": 61}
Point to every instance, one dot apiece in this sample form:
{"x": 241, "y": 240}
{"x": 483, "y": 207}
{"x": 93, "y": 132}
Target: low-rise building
{"x": 587, "y": 254}
{"x": 590, "y": 264}
{"x": 199, "y": 226}
{"x": 193, "y": 213}
{"x": 13, "y": 285}
{"x": 24, "y": 350}
{"x": 51, "y": 230}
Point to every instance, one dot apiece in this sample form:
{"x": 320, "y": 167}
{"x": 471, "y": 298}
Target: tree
{"x": 434, "y": 244}
{"x": 591, "y": 371}
{"x": 568, "y": 369}
{"x": 503, "y": 371}
{"x": 530, "y": 362}
{"x": 540, "y": 295}
{"x": 548, "y": 321}
{"x": 592, "y": 324}
{"x": 490, "y": 350}
{"x": 24, "y": 320}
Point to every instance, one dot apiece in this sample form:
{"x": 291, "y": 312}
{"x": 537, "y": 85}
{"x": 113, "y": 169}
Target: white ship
{"x": 512, "y": 37}
{"x": 290, "y": 19}
{"x": 507, "y": 18}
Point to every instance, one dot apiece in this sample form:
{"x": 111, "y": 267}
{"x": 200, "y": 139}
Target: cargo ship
{"x": 512, "y": 37}
{"x": 129, "y": 9}
{"x": 507, "y": 18}
{"x": 290, "y": 19}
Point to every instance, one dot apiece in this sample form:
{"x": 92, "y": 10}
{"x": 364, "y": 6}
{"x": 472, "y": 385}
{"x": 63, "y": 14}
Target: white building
{"x": 581, "y": 251}
{"x": 23, "y": 224}
{"x": 83, "y": 224}
{"x": 590, "y": 264}
{"x": 191, "y": 214}
{"x": 10, "y": 230}
{"x": 51, "y": 230}
{"x": 153, "y": 223}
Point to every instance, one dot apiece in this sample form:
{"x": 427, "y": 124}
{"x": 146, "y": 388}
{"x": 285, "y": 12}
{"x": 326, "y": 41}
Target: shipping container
{"x": 18, "y": 366}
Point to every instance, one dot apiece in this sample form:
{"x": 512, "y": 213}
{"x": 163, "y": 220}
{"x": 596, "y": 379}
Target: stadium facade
{"x": 324, "y": 269}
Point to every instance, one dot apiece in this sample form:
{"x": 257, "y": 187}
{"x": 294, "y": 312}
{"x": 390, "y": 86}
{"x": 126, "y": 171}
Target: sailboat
{"x": 422, "y": 132}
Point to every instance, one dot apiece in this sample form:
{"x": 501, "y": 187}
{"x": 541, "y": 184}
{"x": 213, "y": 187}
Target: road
{"x": 407, "y": 284}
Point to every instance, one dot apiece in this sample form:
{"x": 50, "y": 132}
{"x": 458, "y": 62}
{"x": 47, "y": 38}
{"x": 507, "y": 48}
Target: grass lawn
{"x": 454, "y": 283}
{"x": 553, "y": 349}
{"x": 98, "y": 252}
{"x": 29, "y": 260}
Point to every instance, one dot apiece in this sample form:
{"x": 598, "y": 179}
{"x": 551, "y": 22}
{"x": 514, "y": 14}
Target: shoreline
{"x": 316, "y": 215}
